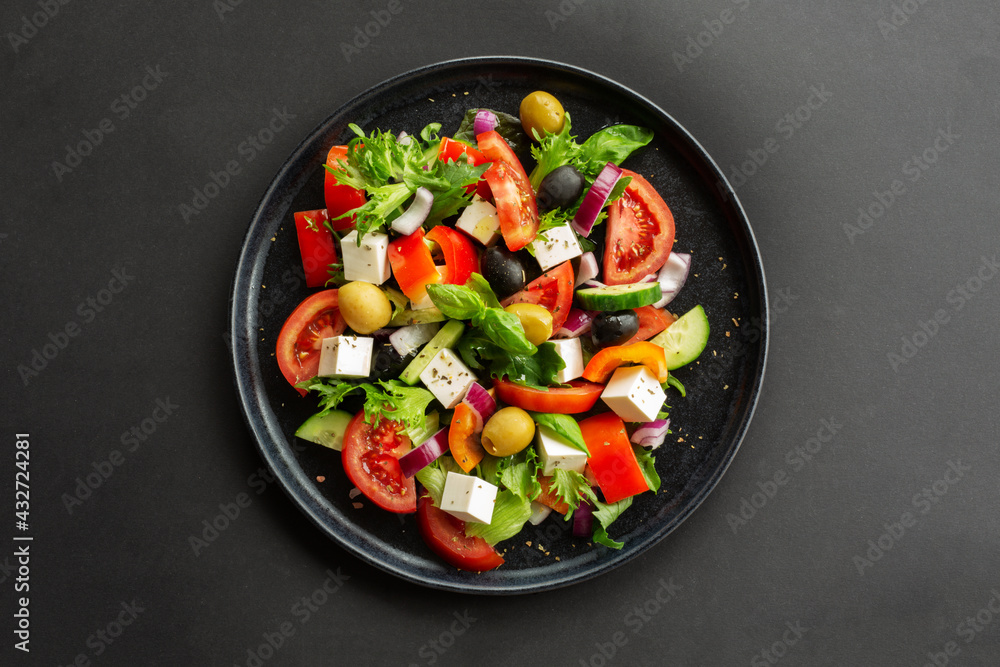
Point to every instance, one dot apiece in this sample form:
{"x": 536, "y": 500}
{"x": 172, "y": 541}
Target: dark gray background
{"x": 897, "y": 77}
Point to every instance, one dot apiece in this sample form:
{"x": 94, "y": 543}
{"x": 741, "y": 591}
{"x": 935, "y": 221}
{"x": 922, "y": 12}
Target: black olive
{"x": 387, "y": 363}
{"x": 503, "y": 270}
{"x": 614, "y": 328}
{"x": 560, "y": 188}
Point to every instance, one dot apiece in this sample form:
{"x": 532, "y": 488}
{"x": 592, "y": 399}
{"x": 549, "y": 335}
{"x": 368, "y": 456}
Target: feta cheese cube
{"x": 558, "y": 245}
{"x": 555, "y": 452}
{"x": 346, "y": 356}
{"x": 572, "y": 353}
{"x": 479, "y": 220}
{"x": 468, "y": 498}
{"x": 447, "y": 378}
{"x": 634, "y": 394}
{"x": 369, "y": 261}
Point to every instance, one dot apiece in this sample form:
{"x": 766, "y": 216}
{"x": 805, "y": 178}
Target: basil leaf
{"x": 565, "y": 426}
{"x": 505, "y": 330}
{"x": 455, "y": 301}
{"x": 612, "y": 144}
{"x": 619, "y": 189}
{"x": 480, "y": 286}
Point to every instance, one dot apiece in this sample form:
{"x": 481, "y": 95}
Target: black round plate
{"x": 727, "y": 279}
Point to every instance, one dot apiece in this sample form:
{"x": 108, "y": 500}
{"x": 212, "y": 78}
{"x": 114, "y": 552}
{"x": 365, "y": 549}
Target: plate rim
{"x": 295, "y": 484}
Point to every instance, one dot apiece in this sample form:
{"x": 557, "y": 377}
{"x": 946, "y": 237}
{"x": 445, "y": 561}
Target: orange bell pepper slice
{"x": 463, "y": 441}
{"x": 604, "y": 363}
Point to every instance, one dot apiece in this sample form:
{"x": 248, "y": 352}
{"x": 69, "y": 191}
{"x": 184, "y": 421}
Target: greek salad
{"x": 506, "y": 332}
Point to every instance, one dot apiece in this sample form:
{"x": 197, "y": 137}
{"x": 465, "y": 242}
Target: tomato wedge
{"x": 446, "y": 537}
{"x": 463, "y": 441}
{"x": 340, "y": 198}
{"x": 579, "y": 397}
{"x": 553, "y": 290}
{"x": 640, "y": 233}
{"x": 460, "y": 256}
{"x": 371, "y": 460}
{"x": 315, "y": 246}
{"x": 604, "y": 363}
{"x": 611, "y": 457}
{"x": 651, "y": 322}
{"x": 301, "y": 338}
{"x": 412, "y": 265}
{"x": 512, "y": 192}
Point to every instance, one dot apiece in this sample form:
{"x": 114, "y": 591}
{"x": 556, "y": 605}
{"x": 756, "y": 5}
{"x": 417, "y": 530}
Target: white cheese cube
{"x": 369, "y": 261}
{"x": 634, "y": 394}
{"x": 346, "y": 356}
{"x": 468, "y": 498}
{"x": 479, "y": 220}
{"x": 572, "y": 353}
{"x": 447, "y": 378}
{"x": 558, "y": 245}
{"x": 555, "y": 452}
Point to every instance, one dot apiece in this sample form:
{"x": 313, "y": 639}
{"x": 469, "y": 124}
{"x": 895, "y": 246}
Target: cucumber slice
{"x": 685, "y": 339}
{"x": 619, "y": 297}
{"x": 327, "y": 430}
{"x": 448, "y": 336}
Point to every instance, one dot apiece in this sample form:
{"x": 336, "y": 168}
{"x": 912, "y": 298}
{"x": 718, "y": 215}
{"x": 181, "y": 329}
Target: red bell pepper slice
{"x": 315, "y": 246}
{"x": 611, "y": 457}
{"x": 412, "y": 265}
{"x": 460, "y": 257}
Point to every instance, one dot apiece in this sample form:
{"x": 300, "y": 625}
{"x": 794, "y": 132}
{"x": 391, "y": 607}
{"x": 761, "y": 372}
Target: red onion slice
{"x": 595, "y": 199}
{"x": 417, "y": 459}
{"x": 583, "y": 519}
{"x": 483, "y": 405}
{"x": 577, "y": 323}
{"x": 588, "y": 268}
{"x": 652, "y": 434}
{"x": 485, "y": 121}
{"x": 411, "y": 338}
{"x": 672, "y": 276}
{"x": 410, "y": 221}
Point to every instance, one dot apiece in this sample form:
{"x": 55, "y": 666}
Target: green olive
{"x": 542, "y": 113}
{"x": 508, "y": 431}
{"x": 535, "y": 320}
{"x": 364, "y": 306}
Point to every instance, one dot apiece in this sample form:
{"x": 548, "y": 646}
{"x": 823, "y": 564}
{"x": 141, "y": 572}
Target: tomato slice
{"x": 512, "y": 192}
{"x": 460, "y": 256}
{"x": 340, "y": 198}
{"x": 453, "y": 150}
{"x": 412, "y": 265}
{"x": 371, "y": 460}
{"x": 603, "y": 364}
{"x": 301, "y": 338}
{"x": 463, "y": 441}
{"x": 315, "y": 246}
{"x": 553, "y": 290}
{"x": 651, "y": 322}
{"x": 579, "y": 397}
{"x": 640, "y": 233}
{"x": 446, "y": 537}
{"x": 611, "y": 457}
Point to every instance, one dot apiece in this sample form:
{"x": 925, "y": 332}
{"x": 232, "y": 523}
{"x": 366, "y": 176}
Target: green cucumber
{"x": 619, "y": 297}
{"x": 327, "y": 430}
{"x": 447, "y": 336}
{"x": 685, "y": 339}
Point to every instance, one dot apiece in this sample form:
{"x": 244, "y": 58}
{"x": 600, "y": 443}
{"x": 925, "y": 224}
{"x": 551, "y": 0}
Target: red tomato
{"x": 371, "y": 460}
{"x": 579, "y": 397}
{"x": 315, "y": 246}
{"x": 301, "y": 337}
{"x": 553, "y": 290}
{"x": 445, "y": 535}
{"x": 651, "y": 322}
{"x": 412, "y": 264}
{"x": 640, "y": 233}
{"x": 611, "y": 457}
{"x": 460, "y": 256}
{"x": 603, "y": 364}
{"x": 454, "y": 150}
{"x": 340, "y": 198}
{"x": 512, "y": 192}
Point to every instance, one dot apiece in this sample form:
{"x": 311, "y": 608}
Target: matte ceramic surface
{"x": 727, "y": 279}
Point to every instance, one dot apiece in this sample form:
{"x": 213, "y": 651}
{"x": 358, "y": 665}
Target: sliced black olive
{"x": 387, "y": 363}
{"x": 614, "y": 327}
